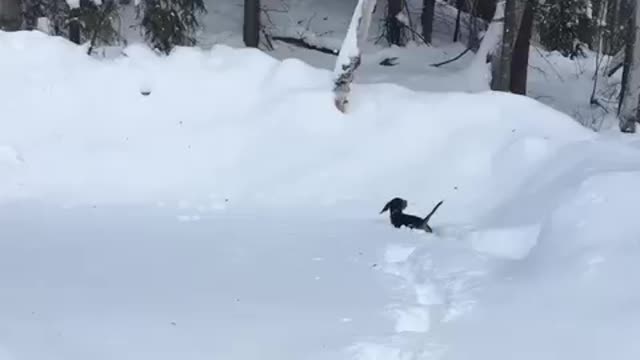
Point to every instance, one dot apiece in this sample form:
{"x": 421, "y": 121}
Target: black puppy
{"x": 399, "y": 219}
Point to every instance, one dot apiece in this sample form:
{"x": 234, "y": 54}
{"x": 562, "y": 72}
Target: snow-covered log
{"x": 350, "y": 53}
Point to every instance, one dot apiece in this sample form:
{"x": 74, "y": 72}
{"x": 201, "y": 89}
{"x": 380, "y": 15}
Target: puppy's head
{"x": 395, "y": 205}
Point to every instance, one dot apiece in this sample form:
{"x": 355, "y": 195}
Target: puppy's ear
{"x": 386, "y": 207}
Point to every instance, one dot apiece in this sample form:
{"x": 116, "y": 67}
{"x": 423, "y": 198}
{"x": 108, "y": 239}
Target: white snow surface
{"x": 232, "y": 213}
{"x": 73, "y": 3}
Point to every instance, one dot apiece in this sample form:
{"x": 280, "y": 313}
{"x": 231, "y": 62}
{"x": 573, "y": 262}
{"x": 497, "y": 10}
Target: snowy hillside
{"x": 239, "y": 125}
{"x": 214, "y": 204}
{"x": 554, "y": 80}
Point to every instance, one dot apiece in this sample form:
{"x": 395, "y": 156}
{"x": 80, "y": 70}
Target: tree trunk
{"x": 485, "y": 9}
{"x": 520, "y": 58}
{"x": 630, "y": 97}
{"x": 456, "y": 31}
{"x": 502, "y": 66}
{"x": 489, "y": 47}
{"x": 74, "y": 25}
{"x": 614, "y": 22}
{"x": 473, "y": 40}
{"x": 10, "y": 15}
{"x": 251, "y": 26}
{"x": 394, "y": 26}
{"x": 350, "y": 52}
{"x": 428, "y": 11}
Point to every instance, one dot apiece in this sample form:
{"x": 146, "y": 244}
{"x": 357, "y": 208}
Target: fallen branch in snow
{"x": 597, "y": 103}
{"x": 300, "y": 42}
{"x": 390, "y": 61}
{"x": 452, "y": 59}
{"x": 416, "y": 34}
{"x": 409, "y": 22}
{"x": 267, "y": 38}
{"x": 616, "y": 63}
{"x": 489, "y": 43}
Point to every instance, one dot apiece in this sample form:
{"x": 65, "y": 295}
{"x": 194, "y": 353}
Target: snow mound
{"x": 574, "y": 286}
{"x": 237, "y": 124}
{"x": 561, "y": 278}
{"x": 511, "y": 243}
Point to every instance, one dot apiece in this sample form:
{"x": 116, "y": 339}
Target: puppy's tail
{"x": 426, "y": 220}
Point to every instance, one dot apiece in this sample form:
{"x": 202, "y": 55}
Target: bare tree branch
{"x": 453, "y": 58}
{"x": 300, "y": 42}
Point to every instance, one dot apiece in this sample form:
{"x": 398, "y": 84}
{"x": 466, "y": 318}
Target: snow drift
{"x": 544, "y": 276}
{"x": 236, "y": 124}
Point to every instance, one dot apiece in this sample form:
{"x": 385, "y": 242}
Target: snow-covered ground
{"x": 214, "y": 204}
{"x": 554, "y": 80}
{"x": 127, "y": 283}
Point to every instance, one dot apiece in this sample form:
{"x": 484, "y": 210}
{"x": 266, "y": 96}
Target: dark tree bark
{"x": 502, "y": 67}
{"x": 74, "y": 25}
{"x": 473, "y": 39}
{"x": 394, "y": 26}
{"x": 520, "y": 58}
{"x": 251, "y": 26}
{"x": 456, "y": 31}
{"x": 501, "y": 63}
{"x": 485, "y": 9}
{"x": 613, "y": 24}
{"x": 428, "y": 11}
{"x": 629, "y": 109}
{"x": 620, "y": 12}
{"x": 627, "y": 58}
{"x": 10, "y": 15}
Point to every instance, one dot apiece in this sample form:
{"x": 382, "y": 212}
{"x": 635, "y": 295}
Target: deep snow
{"x": 232, "y": 213}
{"x": 239, "y": 125}
{"x": 123, "y": 283}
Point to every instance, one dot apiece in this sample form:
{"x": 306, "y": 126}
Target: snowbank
{"x": 545, "y": 275}
{"x": 236, "y": 124}
{"x": 572, "y": 297}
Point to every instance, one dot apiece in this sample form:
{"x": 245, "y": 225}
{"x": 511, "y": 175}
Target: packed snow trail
{"x": 121, "y": 283}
